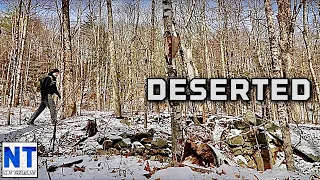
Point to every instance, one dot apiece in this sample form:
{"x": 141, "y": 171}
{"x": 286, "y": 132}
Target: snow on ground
{"x": 306, "y": 138}
{"x": 26, "y": 112}
{"x": 107, "y": 167}
{"x": 117, "y": 167}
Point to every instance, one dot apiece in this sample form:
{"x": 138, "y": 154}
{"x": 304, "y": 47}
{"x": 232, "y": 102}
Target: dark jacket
{"x": 49, "y": 86}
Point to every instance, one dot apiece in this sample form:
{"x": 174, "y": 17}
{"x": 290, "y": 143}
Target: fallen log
{"x": 295, "y": 150}
{"x": 53, "y": 168}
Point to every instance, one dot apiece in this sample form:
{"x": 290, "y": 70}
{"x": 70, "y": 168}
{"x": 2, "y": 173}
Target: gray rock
{"x": 123, "y": 144}
{"x": 148, "y": 146}
{"x": 137, "y": 145}
{"x": 146, "y": 140}
{"x": 159, "y": 142}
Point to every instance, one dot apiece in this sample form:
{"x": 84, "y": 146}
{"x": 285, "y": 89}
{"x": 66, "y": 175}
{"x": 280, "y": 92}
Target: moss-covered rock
{"x": 153, "y": 158}
{"x": 271, "y": 127}
{"x": 248, "y": 144}
{"x": 241, "y": 124}
{"x": 236, "y": 141}
{"x": 126, "y": 121}
{"x": 248, "y": 151}
{"x": 259, "y": 161}
{"x": 241, "y": 163}
{"x": 159, "y": 142}
{"x": 251, "y": 163}
{"x": 248, "y": 137}
{"x": 250, "y": 117}
{"x": 237, "y": 151}
{"x": 262, "y": 139}
{"x": 122, "y": 144}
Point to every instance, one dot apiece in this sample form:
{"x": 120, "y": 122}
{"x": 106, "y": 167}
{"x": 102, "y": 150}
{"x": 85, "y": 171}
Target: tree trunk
{"x": 19, "y": 93}
{"x": 310, "y": 58}
{"x": 69, "y": 108}
{"x": 152, "y": 74}
{"x": 79, "y": 67}
{"x": 285, "y": 26}
{"x": 113, "y": 63}
{"x": 176, "y": 111}
{"x": 14, "y": 62}
{"x": 18, "y": 89}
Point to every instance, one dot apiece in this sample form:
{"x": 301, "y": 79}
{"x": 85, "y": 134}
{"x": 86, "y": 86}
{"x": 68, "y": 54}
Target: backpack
{"x": 40, "y": 81}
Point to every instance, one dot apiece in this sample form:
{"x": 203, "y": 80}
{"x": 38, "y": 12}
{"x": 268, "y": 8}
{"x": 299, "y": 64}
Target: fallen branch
{"x": 47, "y": 170}
{"x": 53, "y": 168}
{"x": 81, "y": 140}
{"x": 295, "y": 150}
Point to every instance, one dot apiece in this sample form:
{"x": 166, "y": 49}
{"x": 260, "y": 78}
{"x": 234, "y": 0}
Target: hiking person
{"x": 48, "y": 88}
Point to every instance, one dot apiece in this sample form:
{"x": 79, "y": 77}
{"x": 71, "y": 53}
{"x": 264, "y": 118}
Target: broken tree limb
{"x": 48, "y": 172}
{"x": 295, "y": 150}
{"x": 53, "y": 168}
{"x": 91, "y": 130}
{"x": 81, "y": 140}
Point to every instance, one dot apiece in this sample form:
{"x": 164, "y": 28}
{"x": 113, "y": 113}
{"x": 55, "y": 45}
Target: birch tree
{"x": 13, "y": 63}
{"x": 175, "y": 107}
{"x": 277, "y": 62}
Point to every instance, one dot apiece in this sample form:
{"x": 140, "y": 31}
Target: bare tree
{"x": 20, "y": 88}
{"x": 113, "y": 63}
{"x": 68, "y": 96}
{"x": 308, "y": 49}
{"x": 13, "y": 64}
{"x": 175, "y": 107}
{"x": 285, "y": 59}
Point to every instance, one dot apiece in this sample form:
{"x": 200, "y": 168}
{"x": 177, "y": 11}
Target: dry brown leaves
{"x": 77, "y": 168}
{"x": 222, "y": 172}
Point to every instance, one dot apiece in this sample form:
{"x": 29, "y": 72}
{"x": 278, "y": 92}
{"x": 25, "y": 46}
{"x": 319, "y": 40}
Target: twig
{"x": 255, "y": 176}
{"x": 47, "y": 170}
{"x": 255, "y": 136}
{"x": 62, "y": 169}
{"x": 53, "y": 139}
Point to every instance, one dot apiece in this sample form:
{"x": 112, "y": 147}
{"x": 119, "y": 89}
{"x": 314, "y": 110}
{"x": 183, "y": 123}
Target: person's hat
{"x": 55, "y": 70}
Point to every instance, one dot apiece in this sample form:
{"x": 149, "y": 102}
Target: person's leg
{"x": 52, "y": 107}
{"x": 37, "y": 112}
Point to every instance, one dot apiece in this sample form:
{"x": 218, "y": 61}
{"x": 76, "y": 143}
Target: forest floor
{"x": 108, "y": 166}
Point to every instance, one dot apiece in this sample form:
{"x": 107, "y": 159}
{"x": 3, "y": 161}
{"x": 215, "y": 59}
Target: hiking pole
{"x": 53, "y": 139}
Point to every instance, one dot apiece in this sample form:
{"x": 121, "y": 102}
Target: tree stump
{"x": 91, "y": 128}
{"x": 200, "y": 153}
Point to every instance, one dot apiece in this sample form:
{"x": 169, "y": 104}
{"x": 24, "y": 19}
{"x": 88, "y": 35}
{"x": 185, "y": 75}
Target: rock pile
{"x": 249, "y": 139}
{"x": 139, "y": 144}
